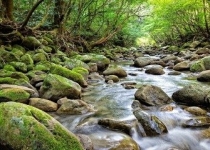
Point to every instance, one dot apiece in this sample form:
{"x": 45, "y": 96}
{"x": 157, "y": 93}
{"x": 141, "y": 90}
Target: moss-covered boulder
{"x": 9, "y": 68}
{"x": 72, "y": 75}
{"x": 39, "y": 57}
{"x": 43, "y": 66}
{"x": 84, "y": 72}
{"x": 55, "y": 87}
{"x": 14, "y": 94}
{"x": 19, "y": 66}
{"x": 101, "y": 61}
{"x": 206, "y": 62}
{"x": 73, "y": 63}
{"x": 6, "y": 56}
{"x": 27, "y": 59}
{"x": 15, "y": 75}
{"x": 28, "y": 128}
{"x": 31, "y": 42}
{"x": 197, "y": 66}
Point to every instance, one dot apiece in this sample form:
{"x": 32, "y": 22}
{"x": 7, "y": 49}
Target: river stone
{"x": 151, "y": 124}
{"x": 191, "y": 95}
{"x": 185, "y": 65}
{"x": 204, "y": 76}
{"x": 169, "y": 58}
{"x": 74, "y": 107}
{"x": 116, "y": 125}
{"x": 196, "y": 111}
{"x": 114, "y": 78}
{"x": 152, "y": 95}
{"x": 43, "y": 104}
{"x": 142, "y": 61}
{"x": 201, "y": 51}
{"x": 72, "y": 75}
{"x": 155, "y": 70}
{"x": 26, "y": 127}
{"x": 55, "y": 87}
{"x": 86, "y": 141}
{"x": 199, "y": 121}
{"x": 14, "y": 94}
{"x": 174, "y": 73}
{"x": 115, "y": 70}
{"x": 194, "y": 44}
{"x": 33, "y": 92}
{"x": 197, "y": 66}
{"x": 206, "y": 62}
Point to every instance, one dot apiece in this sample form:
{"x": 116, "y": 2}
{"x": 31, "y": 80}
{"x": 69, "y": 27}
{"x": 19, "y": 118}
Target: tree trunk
{"x": 7, "y": 12}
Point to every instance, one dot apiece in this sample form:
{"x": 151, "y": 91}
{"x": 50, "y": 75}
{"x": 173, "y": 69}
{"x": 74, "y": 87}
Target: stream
{"x": 114, "y": 101}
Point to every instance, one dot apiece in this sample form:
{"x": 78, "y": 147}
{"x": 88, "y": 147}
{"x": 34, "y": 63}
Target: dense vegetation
{"x": 90, "y": 23}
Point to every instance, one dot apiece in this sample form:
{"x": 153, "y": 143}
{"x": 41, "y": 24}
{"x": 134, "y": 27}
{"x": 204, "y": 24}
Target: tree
{"x": 7, "y": 9}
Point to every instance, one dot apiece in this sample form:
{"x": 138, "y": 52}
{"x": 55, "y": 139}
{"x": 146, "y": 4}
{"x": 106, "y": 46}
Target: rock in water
{"x": 25, "y": 127}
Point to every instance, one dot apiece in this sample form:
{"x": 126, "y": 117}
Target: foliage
{"x": 173, "y": 21}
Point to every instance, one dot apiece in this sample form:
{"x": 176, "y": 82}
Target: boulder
{"x": 26, "y": 127}
{"x": 115, "y": 70}
{"x": 169, "y": 58}
{"x": 201, "y": 51}
{"x": 204, "y": 76}
{"x": 184, "y": 65}
{"x": 43, "y": 104}
{"x": 197, "y": 66}
{"x": 150, "y": 123}
{"x": 74, "y": 107}
{"x": 116, "y": 125}
{"x": 155, "y": 70}
{"x": 206, "y": 62}
{"x": 14, "y": 94}
{"x": 114, "y": 78}
{"x": 152, "y": 95}
{"x": 84, "y": 72}
{"x": 199, "y": 121}
{"x": 142, "y": 61}
{"x": 31, "y": 42}
{"x": 55, "y": 87}
{"x": 174, "y": 73}
{"x": 191, "y": 95}
{"x": 73, "y": 63}
{"x": 72, "y": 75}
{"x": 196, "y": 111}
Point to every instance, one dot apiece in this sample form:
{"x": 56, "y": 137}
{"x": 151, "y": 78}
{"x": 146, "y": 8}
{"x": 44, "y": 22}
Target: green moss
{"x": 15, "y": 75}
{"x": 43, "y": 66}
{"x": 7, "y": 80}
{"x": 27, "y": 59}
{"x": 9, "y": 67}
{"x": 39, "y": 57}
{"x": 6, "y": 56}
{"x": 31, "y": 42}
{"x": 206, "y": 62}
{"x": 84, "y": 72}
{"x": 62, "y": 71}
{"x": 72, "y": 63}
{"x": 27, "y": 128}
{"x": 14, "y": 94}
{"x": 19, "y": 66}
{"x": 17, "y": 52}
{"x": 197, "y": 66}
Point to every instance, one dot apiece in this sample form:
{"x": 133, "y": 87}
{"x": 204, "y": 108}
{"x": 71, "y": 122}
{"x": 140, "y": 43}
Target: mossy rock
{"x": 206, "y": 62}
{"x": 9, "y": 68}
{"x": 14, "y": 94}
{"x": 47, "y": 49}
{"x": 72, "y": 75}
{"x": 197, "y": 66}
{"x": 28, "y": 128}
{"x": 50, "y": 42}
{"x": 27, "y": 59}
{"x": 19, "y": 66}
{"x": 84, "y": 72}
{"x": 73, "y": 63}
{"x": 19, "y": 47}
{"x": 7, "y": 80}
{"x": 16, "y": 75}
{"x": 55, "y": 60}
{"x": 31, "y": 42}
{"x": 43, "y": 66}
{"x": 6, "y": 56}
{"x": 101, "y": 61}
{"x": 39, "y": 57}
{"x": 55, "y": 87}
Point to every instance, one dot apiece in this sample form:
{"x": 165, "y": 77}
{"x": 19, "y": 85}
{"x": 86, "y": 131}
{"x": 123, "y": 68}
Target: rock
{"x": 74, "y": 107}
{"x": 32, "y": 91}
{"x": 113, "y": 141}
{"x": 201, "y": 51}
{"x": 7, "y": 56}
{"x": 43, "y": 104}
{"x": 151, "y": 124}
{"x": 182, "y": 66}
{"x": 136, "y": 105}
{"x": 84, "y": 72}
{"x": 72, "y": 75}
{"x": 43, "y": 66}
{"x": 27, "y": 59}
{"x": 197, "y": 122}
{"x": 129, "y": 85}
{"x": 86, "y": 141}
{"x": 14, "y": 94}
{"x": 116, "y": 125}
{"x": 197, "y": 66}
{"x": 73, "y": 63}
{"x": 115, "y": 70}
{"x": 155, "y": 70}
{"x": 196, "y": 111}
{"x": 93, "y": 67}
{"x": 55, "y": 87}
{"x": 26, "y": 127}
{"x": 15, "y": 75}
{"x": 101, "y": 61}
{"x": 194, "y": 44}
{"x": 158, "y": 62}
{"x": 152, "y": 95}
{"x": 174, "y": 73}
{"x": 204, "y": 76}
{"x": 191, "y": 95}
{"x": 19, "y": 66}
{"x": 169, "y": 58}
{"x": 206, "y": 62}
{"x": 31, "y": 42}
{"x": 114, "y": 78}
{"x": 142, "y": 61}
{"x": 38, "y": 57}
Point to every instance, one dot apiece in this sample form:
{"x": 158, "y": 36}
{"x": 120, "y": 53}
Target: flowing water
{"x": 114, "y": 101}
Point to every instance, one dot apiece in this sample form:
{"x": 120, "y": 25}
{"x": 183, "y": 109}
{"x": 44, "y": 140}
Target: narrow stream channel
{"x": 114, "y": 101}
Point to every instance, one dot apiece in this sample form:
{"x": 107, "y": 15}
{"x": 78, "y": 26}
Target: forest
{"x": 91, "y": 23}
